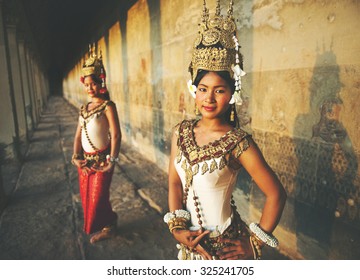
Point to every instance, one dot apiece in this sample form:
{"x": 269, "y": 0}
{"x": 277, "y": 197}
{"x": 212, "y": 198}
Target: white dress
{"x": 95, "y": 128}
{"x": 209, "y": 173}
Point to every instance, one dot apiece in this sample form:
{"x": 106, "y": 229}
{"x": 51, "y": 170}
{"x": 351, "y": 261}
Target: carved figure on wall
{"x": 277, "y": 120}
{"x": 326, "y": 194}
{"x": 243, "y": 112}
{"x": 329, "y": 128}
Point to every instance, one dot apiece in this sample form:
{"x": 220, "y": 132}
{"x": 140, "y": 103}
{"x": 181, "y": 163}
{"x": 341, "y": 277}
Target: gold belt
{"x": 98, "y": 157}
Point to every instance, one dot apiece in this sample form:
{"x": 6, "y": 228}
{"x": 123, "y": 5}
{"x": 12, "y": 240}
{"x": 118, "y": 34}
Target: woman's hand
{"x": 200, "y": 249}
{"x": 236, "y": 249}
{"x": 106, "y": 168}
{"x": 81, "y": 163}
{"x": 191, "y": 239}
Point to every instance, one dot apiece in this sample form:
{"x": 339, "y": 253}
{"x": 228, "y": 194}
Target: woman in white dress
{"x": 207, "y": 154}
{"x": 96, "y": 148}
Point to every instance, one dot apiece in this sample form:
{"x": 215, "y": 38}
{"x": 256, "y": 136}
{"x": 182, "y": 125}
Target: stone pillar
{"x": 2, "y": 194}
{"x": 37, "y": 87}
{"x": 8, "y": 129}
{"x": 16, "y": 77}
{"x": 44, "y": 85}
{"x": 25, "y": 83}
{"x": 33, "y": 98}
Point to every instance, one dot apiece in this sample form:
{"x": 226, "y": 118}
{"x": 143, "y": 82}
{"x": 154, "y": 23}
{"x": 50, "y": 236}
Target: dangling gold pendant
{"x": 197, "y": 112}
{"x": 213, "y": 166}
{"x": 178, "y": 156}
{"x": 222, "y": 163}
{"x": 204, "y": 168}
{"x": 232, "y": 114}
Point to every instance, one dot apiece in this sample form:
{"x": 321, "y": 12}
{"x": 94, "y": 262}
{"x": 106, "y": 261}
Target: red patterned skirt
{"x": 95, "y": 198}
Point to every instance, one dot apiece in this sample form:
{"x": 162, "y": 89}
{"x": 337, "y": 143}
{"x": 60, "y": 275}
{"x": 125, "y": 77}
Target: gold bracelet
{"x": 177, "y": 223}
{"x": 76, "y": 156}
{"x": 176, "y": 226}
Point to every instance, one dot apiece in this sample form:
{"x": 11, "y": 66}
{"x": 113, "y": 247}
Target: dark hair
{"x": 96, "y": 79}
{"x": 225, "y": 75}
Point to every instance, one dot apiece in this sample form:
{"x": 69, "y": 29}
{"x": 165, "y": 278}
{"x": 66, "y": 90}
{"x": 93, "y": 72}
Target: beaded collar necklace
{"x": 86, "y": 114}
{"x": 195, "y": 154}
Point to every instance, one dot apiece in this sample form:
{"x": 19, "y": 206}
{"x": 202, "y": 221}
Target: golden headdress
{"x": 94, "y": 66}
{"x": 216, "y": 48}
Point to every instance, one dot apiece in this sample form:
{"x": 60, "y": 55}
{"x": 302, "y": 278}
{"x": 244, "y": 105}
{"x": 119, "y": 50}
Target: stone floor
{"x": 43, "y": 216}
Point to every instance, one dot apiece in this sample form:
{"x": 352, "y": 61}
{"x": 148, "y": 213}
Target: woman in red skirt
{"x": 96, "y": 148}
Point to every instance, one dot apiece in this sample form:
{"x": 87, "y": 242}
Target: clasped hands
{"x": 234, "y": 249}
{"x": 82, "y": 164}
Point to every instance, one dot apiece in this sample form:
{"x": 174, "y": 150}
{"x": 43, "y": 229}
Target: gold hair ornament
{"x": 94, "y": 66}
{"x": 216, "y": 48}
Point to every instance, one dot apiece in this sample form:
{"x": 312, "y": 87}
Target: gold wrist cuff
{"x": 76, "y": 156}
{"x": 177, "y": 223}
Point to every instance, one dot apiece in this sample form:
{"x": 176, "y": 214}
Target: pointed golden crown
{"x": 93, "y": 65}
{"x": 216, "y": 46}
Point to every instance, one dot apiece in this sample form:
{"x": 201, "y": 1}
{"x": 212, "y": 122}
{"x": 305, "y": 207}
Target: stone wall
{"x": 301, "y": 95}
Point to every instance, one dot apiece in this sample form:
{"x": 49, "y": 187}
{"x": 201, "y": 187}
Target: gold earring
{"x": 197, "y": 112}
{"x": 232, "y": 114}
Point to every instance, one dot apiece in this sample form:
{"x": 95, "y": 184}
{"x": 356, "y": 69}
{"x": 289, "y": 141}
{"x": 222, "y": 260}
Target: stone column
{"x": 16, "y": 77}
{"x": 33, "y": 99}
{"x": 8, "y": 129}
{"x": 44, "y": 85}
{"x": 25, "y": 83}
{"x": 37, "y": 87}
{"x": 2, "y": 194}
